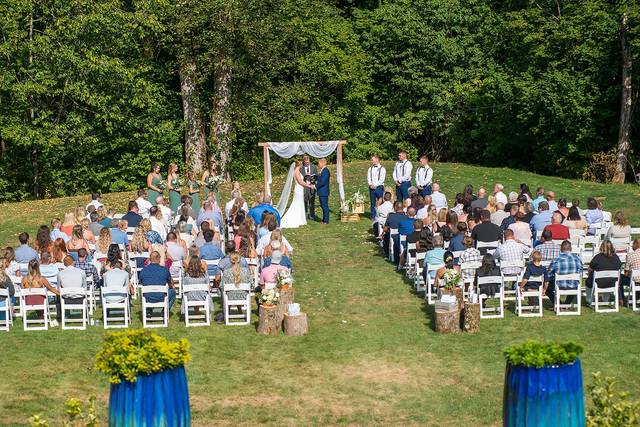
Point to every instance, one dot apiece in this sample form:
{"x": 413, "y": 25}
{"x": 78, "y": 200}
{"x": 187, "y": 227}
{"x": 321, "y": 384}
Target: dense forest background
{"x": 91, "y": 91}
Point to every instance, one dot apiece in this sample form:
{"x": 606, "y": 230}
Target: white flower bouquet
{"x": 451, "y": 278}
{"x": 269, "y": 297}
{"x": 357, "y": 198}
{"x": 162, "y": 185}
{"x": 213, "y": 182}
{"x": 284, "y": 279}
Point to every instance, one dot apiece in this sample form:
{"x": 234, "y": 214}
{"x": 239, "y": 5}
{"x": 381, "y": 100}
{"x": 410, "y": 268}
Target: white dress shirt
{"x": 94, "y": 203}
{"x": 402, "y": 171}
{"x": 167, "y": 213}
{"x": 439, "y": 199}
{"x": 266, "y": 240}
{"x": 383, "y": 211}
{"x": 143, "y": 207}
{"x": 424, "y": 176}
{"x": 158, "y": 226}
{"x": 229, "y": 206}
{"x": 501, "y": 198}
{"x": 376, "y": 175}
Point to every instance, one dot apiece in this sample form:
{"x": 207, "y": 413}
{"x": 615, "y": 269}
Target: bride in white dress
{"x": 296, "y": 216}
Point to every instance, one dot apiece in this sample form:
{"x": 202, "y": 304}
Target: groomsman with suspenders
{"x": 375, "y": 179}
{"x": 402, "y": 176}
{"x": 424, "y": 177}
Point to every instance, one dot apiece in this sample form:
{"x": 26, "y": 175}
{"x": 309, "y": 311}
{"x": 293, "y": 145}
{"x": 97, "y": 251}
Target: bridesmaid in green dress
{"x": 173, "y": 181}
{"x": 209, "y": 172}
{"x": 154, "y": 180}
{"x": 194, "y": 191}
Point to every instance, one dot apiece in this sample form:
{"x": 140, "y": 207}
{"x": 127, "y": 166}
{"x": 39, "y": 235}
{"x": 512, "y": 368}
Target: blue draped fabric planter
{"x": 545, "y": 397}
{"x": 160, "y": 399}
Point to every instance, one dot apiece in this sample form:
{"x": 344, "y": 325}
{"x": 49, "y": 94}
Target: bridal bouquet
{"x": 213, "y": 182}
{"x": 284, "y": 279}
{"x": 451, "y": 278}
{"x": 162, "y": 185}
{"x": 269, "y": 297}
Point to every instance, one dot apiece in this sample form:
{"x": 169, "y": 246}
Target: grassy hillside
{"x": 371, "y": 357}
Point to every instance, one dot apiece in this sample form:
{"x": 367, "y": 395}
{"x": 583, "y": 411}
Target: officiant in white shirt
{"x": 424, "y": 177}
{"x": 438, "y": 198}
{"x": 375, "y": 179}
{"x": 402, "y": 176}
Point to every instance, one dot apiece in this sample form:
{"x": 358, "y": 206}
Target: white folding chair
{"x": 6, "y": 319}
{"x": 489, "y": 246}
{"x": 17, "y": 307}
{"x": 419, "y": 279}
{"x": 575, "y": 235}
{"x": 211, "y": 263}
{"x": 71, "y": 322}
{"x": 621, "y": 244}
{"x": 510, "y": 294}
{"x": 635, "y": 231}
{"x": 254, "y": 265}
{"x": 91, "y": 297}
{"x": 205, "y": 305}
{"x": 410, "y": 262}
{"x": 177, "y": 276}
{"x": 522, "y": 308}
{"x": 491, "y": 312}
{"x": 148, "y": 319}
{"x": 238, "y": 297}
{"x": 468, "y": 280}
{"x": 634, "y": 289}
{"x": 392, "y": 232}
{"x": 606, "y": 216}
{"x": 567, "y": 309}
{"x": 41, "y": 324}
{"x": 596, "y": 291}
{"x": 112, "y": 309}
{"x": 431, "y": 292}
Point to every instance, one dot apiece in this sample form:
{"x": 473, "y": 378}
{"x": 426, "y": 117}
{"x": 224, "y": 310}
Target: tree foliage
{"x": 90, "y": 90}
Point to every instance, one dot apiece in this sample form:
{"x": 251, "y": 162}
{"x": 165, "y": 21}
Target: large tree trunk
{"x": 195, "y": 144}
{"x": 624, "y": 141}
{"x": 35, "y": 168}
{"x": 220, "y": 145}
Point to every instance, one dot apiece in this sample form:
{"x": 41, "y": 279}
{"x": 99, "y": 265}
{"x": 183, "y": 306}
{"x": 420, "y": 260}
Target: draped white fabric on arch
{"x": 288, "y": 150}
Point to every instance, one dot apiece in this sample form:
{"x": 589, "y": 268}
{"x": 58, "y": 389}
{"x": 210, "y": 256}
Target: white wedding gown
{"x": 295, "y": 216}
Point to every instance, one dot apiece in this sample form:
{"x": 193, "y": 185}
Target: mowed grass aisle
{"x": 371, "y": 356}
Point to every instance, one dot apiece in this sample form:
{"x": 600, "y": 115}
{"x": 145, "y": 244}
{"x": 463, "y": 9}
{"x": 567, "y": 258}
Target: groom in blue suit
{"x": 322, "y": 189}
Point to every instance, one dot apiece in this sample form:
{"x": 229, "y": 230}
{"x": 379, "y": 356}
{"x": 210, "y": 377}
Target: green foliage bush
{"x": 127, "y": 354}
{"x": 610, "y": 408}
{"x": 538, "y": 354}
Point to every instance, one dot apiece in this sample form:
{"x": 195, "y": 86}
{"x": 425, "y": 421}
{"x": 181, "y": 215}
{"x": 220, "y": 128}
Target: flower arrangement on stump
{"x": 284, "y": 279}
{"x": 269, "y": 297}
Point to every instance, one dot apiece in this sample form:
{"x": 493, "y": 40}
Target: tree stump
{"x": 295, "y": 326}
{"x": 448, "y": 322}
{"x": 472, "y": 318}
{"x": 458, "y": 294}
{"x": 286, "y": 298}
{"x": 268, "y": 323}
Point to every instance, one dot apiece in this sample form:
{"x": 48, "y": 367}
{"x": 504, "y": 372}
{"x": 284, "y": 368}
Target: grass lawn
{"x": 371, "y": 356}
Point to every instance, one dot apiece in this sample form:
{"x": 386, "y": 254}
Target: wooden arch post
{"x": 265, "y": 154}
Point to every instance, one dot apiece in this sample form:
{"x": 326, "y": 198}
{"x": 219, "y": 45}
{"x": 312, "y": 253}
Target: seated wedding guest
{"x": 565, "y": 263}
{"x": 48, "y": 269}
{"x": 102, "y": 244}
{"x": 195, "y": 274}
{"x": 499, "y": 194}
{"x": 56, "y": 233}
{"x": 208, "y": 214}
{"x": 486, "y": 231}
{"x": 467, "y": 194}
{"x": 267, "y": 225}
{"x": 606, "y": 260}
{"x": 157, "y": 225}
{"x": 139, "y": 242}
{"x": 230, "y": 248}
{"x": 459, "y": 207}
{"x": 72, "y": 277}
{"x": 492, "y": 204}
{"x": 470, "y": 254}
{"x": 539, "y": 197}
{"x": 8, "y": 262}
{"x": 258, "y": 200}
{"x": 119, "y": 232}
{"x": 247, "y": 246}
{"x": 90, "y": 210}
{"x": 152, "y": 236}
{"x": 86, "y": 232}
{"x": 6, "y": 283}
{"x": 68, "y": 223}
{"x": 551, "y": 200}
{"x": 236, "y": 215}
{"x": 85, "y": 265}
{"x": 448, "y": 259}
{"x": 176, "y": 252}
{"x": 632, "y": 263}
{"x": 257, "y": 211}
{"x": 562, "y": 207}
{"x": 393, "y": 222}
{"x": 43, "y": 241}
{"x": 114, "y": 255}
{"x": 94, "y": 225}
{"x": 524, "y": 189}
{"x": 184, "y": 238}
{"x": 574, "y": 221}
{"x": 34, "y": 279}
{"x": 266, "y": 239}
{"x": 24, "y": 252}
{"x": 211, "y": 251}
{"x": 534, "y": 269}
{"x": 143, "y": 204}
{"x": 236, "y": 198}
{"x": 593, "y": 215}
{"x": 619, "y": 229}
{"x": 481, "y": 200}
{"x": 528, "y": 212}
{"x": 499, "y": 215}
{"x": 59, "y": 250}
{"x": 511, "y": 250}
{"x": 513, "y": 200}
{"x": 96, "y": 200}
{"x": 77, "y": 240}
{"x": 413, "y": 237}
{"x": 167, "y": 213}
{"x": 548, "y": 250}
{"x": 456, "y": 243}
{"x": 268, "y": 274}
{"x": 558, "y": 230}
{"x": 132, "y": 217}
{"x": 542, "y": 218}
{"x": 187, "y": 201}
{"x": 434, "y": 256}
{"x": 236, "y": 273}
{"x": 199, "y": 239}
{"x": 116, "y": 277}
{"x": 183, "y": 216}
{"x": 437, "y": 198}
{"x": 521, "y": 229}
{"x": 156, "y": 274}
{"x": 488, "y": 268}
{"x": 276, "y": 236}
{"x": 107, "y": 220}
{"x": 406, "y": 225}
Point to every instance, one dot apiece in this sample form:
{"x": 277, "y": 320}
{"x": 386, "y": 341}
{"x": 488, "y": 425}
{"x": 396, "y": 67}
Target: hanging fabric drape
{"x": 288, "y": 150}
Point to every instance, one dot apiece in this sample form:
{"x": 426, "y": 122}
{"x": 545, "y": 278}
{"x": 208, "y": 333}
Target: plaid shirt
{"x": 89, "y": 269}
{"x": 549, "y": 250}
{"x": 470, "y": 255}
{"x": 511, "y": 250}
{"x": 565, "y": 263}
{"x": 633, "y": 261}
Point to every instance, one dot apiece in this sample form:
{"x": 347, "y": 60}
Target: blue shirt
{"x": 537, "y": 201}
{"x": 210, "y": 251}
{"x": 118, "y": 236}
{"x": 406, "y": 226}
{"x": 106, "y": 222}
{"x": 394, "y": 219}
{"x": 132, "y": 218}
{"x": 455, "y": 243}
{"x": 433, "y": 257}
{"x": 25, "y": 253}
{"x": 285, "y": 262}
{"x": 565, "y": 263}
{"x": 57, "y": 234}
{"x": 212, "y": 216}
{"x": 540, "y": 221}
{"x": 154, "y": 275}
{"x": 256, "y": 213}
